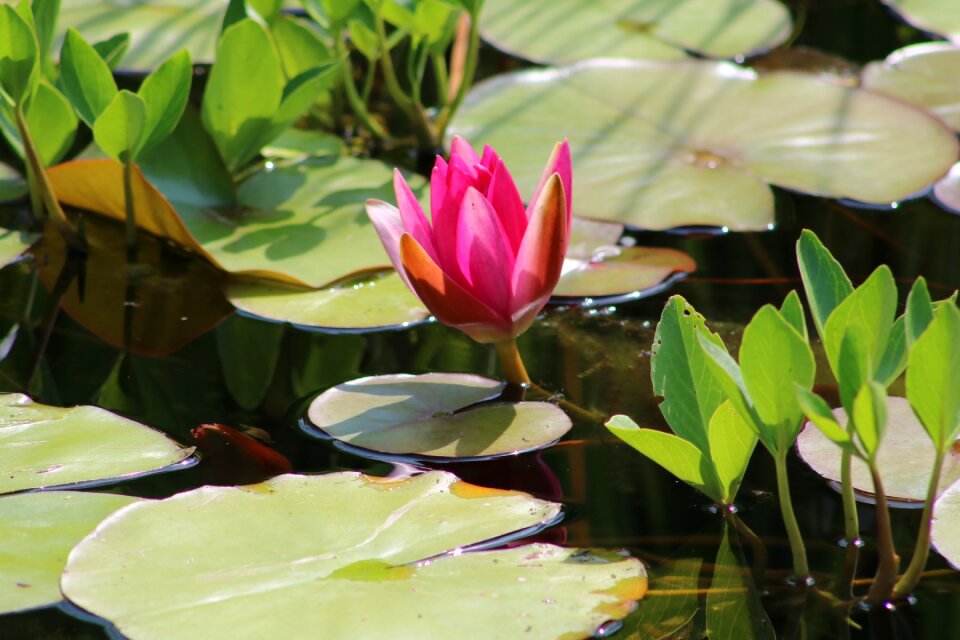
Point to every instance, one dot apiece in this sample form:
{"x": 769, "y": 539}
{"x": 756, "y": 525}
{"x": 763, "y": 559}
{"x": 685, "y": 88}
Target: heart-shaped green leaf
{"x": 85, "y": 77}
{"x": 165, "y": 93}
{"x": 122, "y": 127}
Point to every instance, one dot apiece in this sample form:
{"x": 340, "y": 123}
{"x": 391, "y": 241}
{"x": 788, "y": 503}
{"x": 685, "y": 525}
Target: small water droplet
{"x": 608, "y": 628}
{"x": 269, "y": 165}
{"x": 549, "y": 601}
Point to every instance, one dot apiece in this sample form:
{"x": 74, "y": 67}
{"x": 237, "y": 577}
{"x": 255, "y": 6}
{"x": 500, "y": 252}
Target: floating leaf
{"x": 671, "y": 603}
{"x": 905, "y": 456}
{"x": 622, "y": 272}
{"x": 51, "y": 446}
{"x": 349, "y": 554}
{"x": 37, "y": 531}
{"x": 937, "y": 16}
{"x": 13, "y": 244}
{"x": 946, "y": 520}
{"x": 562, "y": 31}
{"x": 922, "y": 74}
{"x": 425, "y": 415}
{"x": 947, "y": 191}
{"x": 302, "y": 224}
{"x": 668, "y": 144}
{"x": 369, "y": 302}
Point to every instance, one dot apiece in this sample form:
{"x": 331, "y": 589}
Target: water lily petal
{"x": 448, "y": 301}
{"x": 389, "y": 225}
{"x": 505, "y": 198}
{"x": 445, "y": 219}
{"x": 560, "y": 163}
{"x": 461, "y": 149}
{"x": 438, "y": 187}
{"x": 414, "y": 222}
{"x": 540, "y": 259}
{"x": 484, "y": 252}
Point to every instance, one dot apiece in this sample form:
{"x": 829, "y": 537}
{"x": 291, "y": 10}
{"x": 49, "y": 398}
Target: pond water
{"x": 182, "y": 370}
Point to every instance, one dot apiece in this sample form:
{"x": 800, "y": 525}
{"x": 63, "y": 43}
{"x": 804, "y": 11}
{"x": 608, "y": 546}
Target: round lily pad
{"x": 926, "y": 74}
{"x": 426, "y": 415}
{"x": 615, "y": 273}
{"x": 562, "y": 31}
{"x": 48, "y": 446}
{"x": 669, "y": 144}
{"x": 370, "y": 302}
{"x": 947, "y": 191}
{"x": 37, "y": 531}
{"x": 936, "y": 16}
{"x": 905, "y": 457}
{"x": 351, "y": 555}
{"x": 946, "y": 520}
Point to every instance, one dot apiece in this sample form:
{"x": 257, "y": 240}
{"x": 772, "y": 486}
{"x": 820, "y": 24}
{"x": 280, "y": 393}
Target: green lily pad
{"x": 622, "y": 273}
{"x": 946, "y": 519}
{"x": 423, "y": 416}
{"x": 51, "y": 446}
{"x": 369, "y": 302}
{"x": 926, "y": 74}
{"x": 947, "y": 191}
{"x": 562, "y": 31}
{"x": 937, "y": 16}
{"x": 351, "y": 555}
{"x": 669, "y": 144}
{"x": 37, "y": 531}
{"x": 13, "y": 186}
{"x": 13, "y": 244}
{"x": 304, "y": 143}
{"x": 905, "y": 457}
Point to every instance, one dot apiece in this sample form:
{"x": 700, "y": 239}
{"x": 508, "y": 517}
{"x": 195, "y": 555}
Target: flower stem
{"x": 921, "y": 550}
{"x": 889, "y": 562}
{"x": 789, "y": 517}
{"x": 511, "y": 362}
{"x": 851, "y": 528}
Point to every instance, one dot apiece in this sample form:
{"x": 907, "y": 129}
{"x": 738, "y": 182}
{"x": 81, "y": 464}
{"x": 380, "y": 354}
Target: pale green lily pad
{"x": 422, "y": 416}
{"x": 351, "y": 555}
{"x": 369, "y": 302}
{"x": 937, "y": 16}
{"x": 927, "y": 75}
{"x": 947, "y": 191}
{"x": 562, "y": 31}
{"x": 946, "y": 521}
{"x": 622, "y": 272}
{"x": 670, "y": 144}
{"x": 51, "y": 446}
{"x": 905, "y": 457}
{"x": 12, "y": 185}
{"x": 13, "y": 244}
{"x": 37, "y": 531}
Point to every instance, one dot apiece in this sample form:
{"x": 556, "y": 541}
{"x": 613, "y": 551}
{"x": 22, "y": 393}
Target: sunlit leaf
{"x": 937, "y": 16}
{"x": 427, "y": 415}
{"x": 905, "y": 456}
{"x": 121, "y": 129}
{"x": 165, "y": 93}
{"x": 933, "y": 377}
{"x": 373, "y": 301}
{"x": 824, "y": 280}
{"x": 19, "y": 53}
{"x": 561, "y": 31}
{"x": 37, "y": 531}
{"x": 13, "y": 244}
{"x": 919, "y": 312}
{"x": 51, "y": 121}
{"x": 615, "y": 272}
{"x": 870, "y": 416}
{"x": 732, "y": 441}
{"x": 344, "y": 553}
{"x": 946, "y": 521}
{"x": 49, "y": 446}
{"x": 85, "y": 78}
{"x": 668, "y": 144}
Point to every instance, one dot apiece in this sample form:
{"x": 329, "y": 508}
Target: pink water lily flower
{"x": 482, "y": 263}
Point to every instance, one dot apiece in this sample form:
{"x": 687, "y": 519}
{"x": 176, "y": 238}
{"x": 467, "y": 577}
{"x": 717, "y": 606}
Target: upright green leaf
{"x": 52, "y": 123}
{"x": 112, "y": 49}
{"x": 681, "y": 374}
{"x": 732, "y": 441}
{"x": 933, "y": 377}
{"x": 19, "y": 67}
{"x": 45, "y": 14}
{"x": 165, "y": 93}
{"x": 728, "y": 375}
{"x": 300, "y": 47}
{"x": 854, "y": 366}
{"x": 365, "y": 39}
{"x": 85, "y": 77}
{"x": 243, "y": 92}
{"x": 919, "y": 311}
{"x": 338, "y": 10}
{"x": 298, "y": 96}
{"x": 870, "y": 416}
{"x": 824, "y": 280}
{"x": 894, "y": 358}
{"x": 819, "y": 413}
{"x": 792, "y": 311}
{"x": 120, "y": 129}
{"x": 268, "y": 9}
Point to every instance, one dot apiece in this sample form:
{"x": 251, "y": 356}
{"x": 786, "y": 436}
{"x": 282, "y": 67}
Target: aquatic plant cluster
{"x": 241, "y": 144}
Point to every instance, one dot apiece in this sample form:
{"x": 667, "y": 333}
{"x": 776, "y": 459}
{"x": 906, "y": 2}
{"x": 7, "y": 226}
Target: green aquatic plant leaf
{"x": 121, "y": 129}
{"x": 85, "y": 78}
{"x": 824, "y": 280}
{"x": 870, "y": 416}
{"x": 165, "y": 93}
{"x": 113, "y": 49}
{"x": 733, "y": 607}
{"x": 732, "y": 441}
{"x": 933, "y": 376}
{"x": 13, "y": 244}
{"x": 19, "y": 57}
{"x": 792, "y": 311}
{"x": 562, "y": 31}
{"x": 338, "y": 543}
{"x": 300, "y": 47}
{"x": 37, "y": 531}
{"x": 905, "y": 456}
{"x": 671, "y": 144}
{"x": 433, "y": 415}
{"x": 820, "y": 416}
{"x": 614, "y": 271}
{"x": 51, "y": 121}
{"x": 671, "y": 606}
{"x": 51, "y": 446}
{"x": 919, "y": 313}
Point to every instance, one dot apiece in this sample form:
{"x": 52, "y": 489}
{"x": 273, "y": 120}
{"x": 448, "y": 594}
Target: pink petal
{"x": 389, "y": 225}
{"x": 540, "y": 259}
{"x": 445, "y": 220}
{"x": 505, "y": 198}
{"x": 414, "y": 222}
{"x": 560, "y": 163}
{"x": 438, "y": 186}
{"x": 489, "y": 158}
{"x": 448, "y": 301}
{"x": 484, "y": 253}
{"x": 460, "y": 148}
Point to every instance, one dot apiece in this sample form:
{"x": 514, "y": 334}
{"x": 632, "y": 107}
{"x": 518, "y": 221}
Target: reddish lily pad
{"x": 428, "y": 416}
{"x": 905, "y": 457}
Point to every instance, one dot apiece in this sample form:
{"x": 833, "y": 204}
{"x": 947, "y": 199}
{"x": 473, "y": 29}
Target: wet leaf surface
{"x": 350, "y": 554}
{"x": 37, "y": 531}
{"x": 426, "y": 415}
{"x": 672, "y": 144}
{"x": 48, "y": 446}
